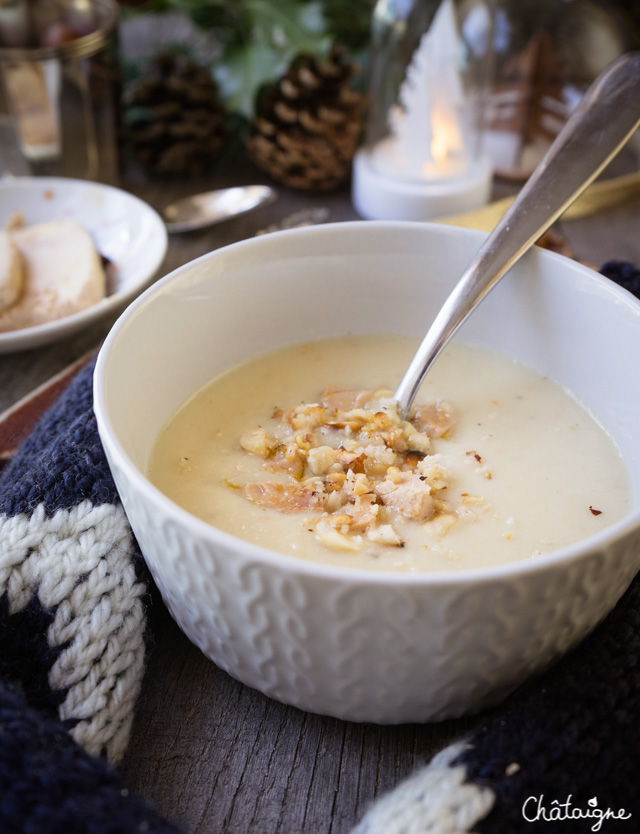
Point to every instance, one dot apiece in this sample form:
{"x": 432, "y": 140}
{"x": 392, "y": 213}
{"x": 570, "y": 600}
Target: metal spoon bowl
{"x": 604, "y": 120}
{"x": 211, "y": 207}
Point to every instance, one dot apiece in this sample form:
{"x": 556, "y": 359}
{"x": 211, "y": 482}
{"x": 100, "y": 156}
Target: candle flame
{"x": 446, "y": 140}
{"x": 446, "y": 148}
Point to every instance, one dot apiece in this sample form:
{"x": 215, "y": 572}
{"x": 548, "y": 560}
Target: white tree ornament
{"x": 427, "y": 123}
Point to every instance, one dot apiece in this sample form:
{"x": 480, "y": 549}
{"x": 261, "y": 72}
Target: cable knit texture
{"x": 437, "y": 799}
{"x": 72, "y": 628}
{"x": 73, "y": 587}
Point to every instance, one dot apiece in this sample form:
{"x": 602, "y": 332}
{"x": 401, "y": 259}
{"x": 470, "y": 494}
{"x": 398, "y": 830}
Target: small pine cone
{"x": 308, "y": 124}
{"x": 174, "y": 119}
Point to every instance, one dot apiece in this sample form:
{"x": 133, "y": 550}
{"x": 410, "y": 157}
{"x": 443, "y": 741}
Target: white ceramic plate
{"x": 126, "y": 231}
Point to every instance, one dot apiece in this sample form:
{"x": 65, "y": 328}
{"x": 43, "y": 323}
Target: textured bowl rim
{"x": 293, "y": 564}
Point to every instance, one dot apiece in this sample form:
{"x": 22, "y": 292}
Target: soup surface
{"x": 497, "y": 464}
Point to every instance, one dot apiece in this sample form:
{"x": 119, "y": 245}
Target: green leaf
{"x": 288, "y": 25}
{"x": 134, "y": 115}
{"x": 226, "y": 17}
{"x": 260, "y": 38}
{"x": 350, "y": 23}
{"x": 243, "y": 72}
{"x": 280, "y": 30}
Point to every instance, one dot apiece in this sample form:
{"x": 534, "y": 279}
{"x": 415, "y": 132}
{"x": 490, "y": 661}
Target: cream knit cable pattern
{"x": 435, "y": 800}
{"x": 73, "y": 588}
{"x": 78, "y": 564}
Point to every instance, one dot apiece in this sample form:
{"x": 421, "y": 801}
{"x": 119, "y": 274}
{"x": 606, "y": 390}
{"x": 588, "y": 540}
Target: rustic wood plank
{"x": 214, "y": 755}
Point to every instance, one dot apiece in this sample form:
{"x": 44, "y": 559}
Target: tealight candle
{"x": 429, "y": 73}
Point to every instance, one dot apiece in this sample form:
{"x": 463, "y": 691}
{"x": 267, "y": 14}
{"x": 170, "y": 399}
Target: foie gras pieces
{"x": 11, "y": 271}
{"x": 63, "y": 274}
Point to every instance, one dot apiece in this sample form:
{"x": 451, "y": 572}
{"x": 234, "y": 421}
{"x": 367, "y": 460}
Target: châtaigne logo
{"x": 535, "y": 809}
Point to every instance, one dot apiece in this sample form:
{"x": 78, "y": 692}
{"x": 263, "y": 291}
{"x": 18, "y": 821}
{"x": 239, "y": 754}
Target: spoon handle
{"x": 604, "y": 120}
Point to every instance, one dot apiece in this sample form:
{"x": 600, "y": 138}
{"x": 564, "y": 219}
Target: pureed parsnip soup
{"x": 302, "y": 451}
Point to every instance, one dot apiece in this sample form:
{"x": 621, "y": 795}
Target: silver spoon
{"x": 598, "y": 128}
{"x": 201, "y": 210}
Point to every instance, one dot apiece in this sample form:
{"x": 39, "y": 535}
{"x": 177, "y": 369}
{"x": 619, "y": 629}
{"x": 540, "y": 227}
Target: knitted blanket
{"x": 562, "y": 754}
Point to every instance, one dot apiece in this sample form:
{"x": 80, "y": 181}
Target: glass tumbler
{"x": 59, "y": 88}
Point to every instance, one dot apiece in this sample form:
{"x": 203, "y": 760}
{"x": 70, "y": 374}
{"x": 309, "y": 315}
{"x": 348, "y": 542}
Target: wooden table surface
{"x": 210, "y": 753}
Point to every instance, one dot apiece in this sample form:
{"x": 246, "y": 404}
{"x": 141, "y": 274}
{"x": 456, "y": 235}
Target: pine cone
{"x": 175, "y": 122}
{"x": 308, "y": 124}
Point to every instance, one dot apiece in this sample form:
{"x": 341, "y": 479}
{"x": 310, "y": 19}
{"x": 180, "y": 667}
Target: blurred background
{"x": 174, "y": 88}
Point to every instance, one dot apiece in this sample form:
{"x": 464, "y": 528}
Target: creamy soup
{"x": 302, "y": 451}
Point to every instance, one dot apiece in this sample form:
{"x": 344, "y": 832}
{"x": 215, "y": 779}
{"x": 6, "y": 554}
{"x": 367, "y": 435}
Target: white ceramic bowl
{"x": 127, "y": 231}
{"x": 363, "y": 646}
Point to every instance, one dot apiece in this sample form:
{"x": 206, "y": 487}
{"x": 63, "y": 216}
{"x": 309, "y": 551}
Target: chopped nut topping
{"x": 408, "y": 494}
{"x": 440, "y": 525}
{"x": 478, "y": 500}
{"x": 287, "y": 458}
{"x": 257, "y": 442}
{"x": 384, "y": 534}
{"x": 353, "y": 459}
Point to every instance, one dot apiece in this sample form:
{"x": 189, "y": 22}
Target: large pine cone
{"x": 308, "y": 124}
{"x": 173, "y": 116}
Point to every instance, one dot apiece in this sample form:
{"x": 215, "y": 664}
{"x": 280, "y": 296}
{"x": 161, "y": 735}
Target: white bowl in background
{"x": 381, "y": 647}
{"x": 125, "y": 230}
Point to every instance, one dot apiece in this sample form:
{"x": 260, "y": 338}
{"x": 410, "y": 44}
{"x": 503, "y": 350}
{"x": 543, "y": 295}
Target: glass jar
{"x": 547, "y": 53}
{"x": 429, "y": 75}
{"x": 59, "y": 89}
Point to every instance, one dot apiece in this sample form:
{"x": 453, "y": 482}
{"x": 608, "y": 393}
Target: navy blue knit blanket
{"x": 562, "y": 754}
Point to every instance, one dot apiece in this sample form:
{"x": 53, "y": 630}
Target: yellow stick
{"x": 599, "y": 196}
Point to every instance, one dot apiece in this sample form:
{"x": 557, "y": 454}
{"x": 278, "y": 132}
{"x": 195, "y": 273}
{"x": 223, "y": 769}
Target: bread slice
{"x": 63, "y": 274}
{"x": 11, "y": 271}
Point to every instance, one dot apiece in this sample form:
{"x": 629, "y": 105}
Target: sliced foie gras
{"x": 63, "y": 274}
